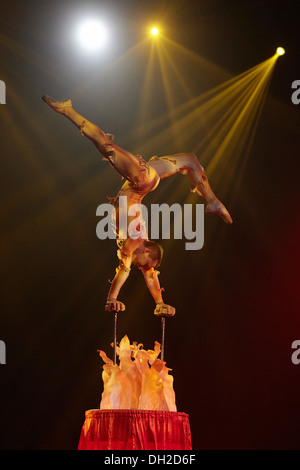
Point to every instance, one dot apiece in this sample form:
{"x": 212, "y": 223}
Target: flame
{"x": 140, "y": 381}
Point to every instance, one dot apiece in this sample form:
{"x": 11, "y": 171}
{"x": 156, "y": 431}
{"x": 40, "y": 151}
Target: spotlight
{"x": 280, "y": 51}
{"x": 92, "y": 35}
{"x": 154, "y": 31}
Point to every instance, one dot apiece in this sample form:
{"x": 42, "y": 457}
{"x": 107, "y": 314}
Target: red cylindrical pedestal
{"x": 135, "y": 430}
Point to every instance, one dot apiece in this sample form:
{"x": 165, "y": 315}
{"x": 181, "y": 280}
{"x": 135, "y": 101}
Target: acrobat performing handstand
{"x": 141, "y": 178}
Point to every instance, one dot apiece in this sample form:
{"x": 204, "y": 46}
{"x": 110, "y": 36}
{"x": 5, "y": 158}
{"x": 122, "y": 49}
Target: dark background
{"x": 237, "y": 299}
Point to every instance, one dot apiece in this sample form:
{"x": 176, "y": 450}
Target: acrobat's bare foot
{"x": 216, "y": 207}
{"x": 58, "y": 106}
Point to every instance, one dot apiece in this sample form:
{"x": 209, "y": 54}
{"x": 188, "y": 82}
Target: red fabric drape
{"x": 135, "y": 430}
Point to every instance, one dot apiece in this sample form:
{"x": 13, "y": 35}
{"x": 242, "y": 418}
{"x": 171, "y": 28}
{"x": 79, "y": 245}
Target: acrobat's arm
{"x": 153, "y": 285}
{"x": 112, "y": 304}
{"x": 122, "y": 273}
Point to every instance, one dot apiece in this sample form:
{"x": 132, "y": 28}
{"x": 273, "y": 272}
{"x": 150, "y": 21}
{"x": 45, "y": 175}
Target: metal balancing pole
{"x": 163, "y": 330}
{"x": 107, "y": 309}
{"x": 115, "y": 335}
{"x": 162, "y": 312}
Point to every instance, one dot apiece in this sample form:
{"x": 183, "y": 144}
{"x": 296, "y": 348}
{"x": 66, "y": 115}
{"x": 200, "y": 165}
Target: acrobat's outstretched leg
{"x": 87, "y": 128}
{"x": 138, "y": 172}
{"x": 188, "y": 164}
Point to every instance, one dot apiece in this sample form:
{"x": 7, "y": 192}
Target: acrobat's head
{"x": 148, "y": 255}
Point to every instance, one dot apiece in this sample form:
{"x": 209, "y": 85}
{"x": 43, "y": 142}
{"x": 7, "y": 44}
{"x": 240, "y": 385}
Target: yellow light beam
{"x": 213, "y": 100}
{"x": 146, "y": 95}
{"x": 239, "y": 129}
{"x": 228, "y": 114}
